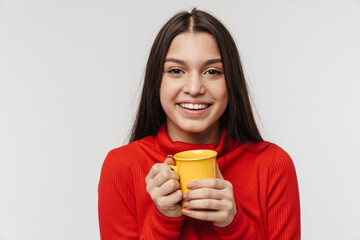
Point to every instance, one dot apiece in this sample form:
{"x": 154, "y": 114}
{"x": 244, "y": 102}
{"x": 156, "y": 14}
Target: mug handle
{"x": 174, "y": 168}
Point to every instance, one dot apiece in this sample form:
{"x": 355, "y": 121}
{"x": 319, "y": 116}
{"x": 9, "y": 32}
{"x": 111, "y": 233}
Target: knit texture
{"x": 264, "y": 184}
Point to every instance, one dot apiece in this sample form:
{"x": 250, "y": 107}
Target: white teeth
{"x": 193, "y": 106}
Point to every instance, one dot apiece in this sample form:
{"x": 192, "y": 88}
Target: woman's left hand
{"x": 211, "y": 199}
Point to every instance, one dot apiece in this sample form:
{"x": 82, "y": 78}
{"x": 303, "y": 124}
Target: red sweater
{"x": 264, "y": 184}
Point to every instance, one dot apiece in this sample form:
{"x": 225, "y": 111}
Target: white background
{"x": 70, "y": 77}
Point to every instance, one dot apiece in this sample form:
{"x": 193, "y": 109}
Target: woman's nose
{"x": 194, "y": 85}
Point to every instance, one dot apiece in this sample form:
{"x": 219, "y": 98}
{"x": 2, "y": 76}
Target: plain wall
{"x": 70, "y": 78}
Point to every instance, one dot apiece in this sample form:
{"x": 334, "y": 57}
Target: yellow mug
{"x": 193, "y": 165}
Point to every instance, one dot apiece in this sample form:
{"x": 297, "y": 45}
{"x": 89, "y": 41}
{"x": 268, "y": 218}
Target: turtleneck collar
{"x": 169, "y": 147}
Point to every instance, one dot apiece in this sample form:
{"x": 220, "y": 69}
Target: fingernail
{"x": 185, "y": 211}
{"x": 170, "y": 156}
{"x": 185, "y": 196}
{"x": 190, "y": 185}
{"x": 186, "y": 204}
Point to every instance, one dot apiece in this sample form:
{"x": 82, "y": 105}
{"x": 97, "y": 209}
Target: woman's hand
{"x": 211, "y": 199}
{"x": 163, "y": 186}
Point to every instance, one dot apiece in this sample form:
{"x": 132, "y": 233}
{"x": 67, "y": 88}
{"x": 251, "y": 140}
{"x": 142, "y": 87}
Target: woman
{"x": 195, "y": 97}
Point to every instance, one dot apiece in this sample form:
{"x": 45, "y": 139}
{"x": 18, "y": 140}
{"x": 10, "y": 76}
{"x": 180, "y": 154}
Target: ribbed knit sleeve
{"x": 274, "y": 172}
{"x": 283, "y": 205}
{"x": 240, "y": 228}
{"x": 116, "y": 202}
{"x": 119, "y": 215}
{"x": 160, "y": 227}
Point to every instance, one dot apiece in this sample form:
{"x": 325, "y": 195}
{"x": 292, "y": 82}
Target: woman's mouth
{"x": 195, "y": 106}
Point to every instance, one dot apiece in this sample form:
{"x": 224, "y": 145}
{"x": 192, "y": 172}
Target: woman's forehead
{"x": 189, "y": 46}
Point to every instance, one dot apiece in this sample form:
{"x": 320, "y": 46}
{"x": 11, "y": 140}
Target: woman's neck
{"x": 210, "y": 135}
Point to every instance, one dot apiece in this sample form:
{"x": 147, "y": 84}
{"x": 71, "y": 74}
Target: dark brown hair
{"x": 238, "y": 119}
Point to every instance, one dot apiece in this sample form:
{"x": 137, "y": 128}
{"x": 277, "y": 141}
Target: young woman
{"x": 195, "y": 97}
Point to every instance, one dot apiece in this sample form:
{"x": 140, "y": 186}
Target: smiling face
{"x": 193, "y": 90}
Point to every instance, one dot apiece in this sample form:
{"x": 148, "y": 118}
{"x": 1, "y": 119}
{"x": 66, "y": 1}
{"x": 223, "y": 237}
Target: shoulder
{"x": 267, "y": 150}
{"x": 279, "y": 155}
{"x": 270, "y": 155}
{"x": 279, "y": 162}
{"x": 131, "y": 148}
{"x": 276, "y": 152}
{"x": 120, "y": 158}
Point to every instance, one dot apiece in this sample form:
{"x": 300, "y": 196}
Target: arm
{"x": 160, "y": 227}
{"x": 118, "y": 217}
{"x": 283, "y": 204}
{"x": 116, "y": 202}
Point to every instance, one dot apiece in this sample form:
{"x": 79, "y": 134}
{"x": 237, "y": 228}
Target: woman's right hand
{"x": 163, "y": 186}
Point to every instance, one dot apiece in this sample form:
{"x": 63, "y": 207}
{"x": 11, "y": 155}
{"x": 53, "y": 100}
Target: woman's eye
{"x": 175, "y": 71}
{"x": 213, "y": 72}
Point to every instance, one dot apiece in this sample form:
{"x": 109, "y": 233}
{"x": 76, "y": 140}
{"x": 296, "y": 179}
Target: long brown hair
{"x": 238, "y": 119}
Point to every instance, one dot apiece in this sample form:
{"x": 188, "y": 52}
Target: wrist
{"x": 227, "y": 222}
{"x": 171, "y": 213}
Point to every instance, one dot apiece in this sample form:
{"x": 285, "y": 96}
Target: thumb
{"x": 169, "y": 160}
{"x": 219, "y": 175}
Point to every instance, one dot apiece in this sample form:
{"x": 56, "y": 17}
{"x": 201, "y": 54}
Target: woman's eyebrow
{"x": 208, "y": 62}
{"x": 211, "y": 61}
{"x": 175, "y": 61}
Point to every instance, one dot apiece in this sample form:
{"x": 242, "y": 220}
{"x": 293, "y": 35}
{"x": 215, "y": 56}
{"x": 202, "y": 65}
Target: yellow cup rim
{"x": 208, "y": 154}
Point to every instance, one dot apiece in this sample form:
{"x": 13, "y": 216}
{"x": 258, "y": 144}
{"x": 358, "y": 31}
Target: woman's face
{"x": 193, "y": 90}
